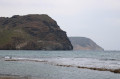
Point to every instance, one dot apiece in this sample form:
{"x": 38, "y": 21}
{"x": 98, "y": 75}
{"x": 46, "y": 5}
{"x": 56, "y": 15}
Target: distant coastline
{"x": 83, "y": 43}
{"x": 39, "y": 32}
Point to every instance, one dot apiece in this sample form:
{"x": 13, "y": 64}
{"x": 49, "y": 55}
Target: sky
{"x": 98, "y": 20}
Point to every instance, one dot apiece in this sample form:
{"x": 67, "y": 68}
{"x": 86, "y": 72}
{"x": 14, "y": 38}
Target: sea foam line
{"x": 93, "y": 68}
{"x": 84, "y": 63}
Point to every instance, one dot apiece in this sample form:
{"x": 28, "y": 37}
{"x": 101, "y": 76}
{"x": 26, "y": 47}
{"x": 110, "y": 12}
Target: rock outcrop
{"x": 32, "y": 32}
{"x": 82, "y": 43}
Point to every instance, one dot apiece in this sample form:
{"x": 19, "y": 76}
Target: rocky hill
{"x": 82, "y": 43}
{"x": 32, "y": 32}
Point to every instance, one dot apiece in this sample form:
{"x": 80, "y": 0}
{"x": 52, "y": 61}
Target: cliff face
{"x": 32, "y": 32}
{"x": 82, "y": 43}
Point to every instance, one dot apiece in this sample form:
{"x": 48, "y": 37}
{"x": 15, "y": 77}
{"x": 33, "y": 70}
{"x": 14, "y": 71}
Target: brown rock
{"x": 32, "y": 32}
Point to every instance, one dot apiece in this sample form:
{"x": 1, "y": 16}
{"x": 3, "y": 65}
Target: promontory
{"x": 32, "y": 32}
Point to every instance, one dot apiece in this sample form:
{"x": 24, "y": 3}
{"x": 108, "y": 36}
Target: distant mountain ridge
{"x": 83, "y": 43}
{"x": 32, "y": 32}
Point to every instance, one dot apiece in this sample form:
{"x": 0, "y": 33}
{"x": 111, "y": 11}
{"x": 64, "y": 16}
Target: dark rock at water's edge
{"x": 32, "y": 32}
{"x": 83, "y": 43}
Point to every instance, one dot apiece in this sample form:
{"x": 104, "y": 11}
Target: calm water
{"x": 48, "y": 70}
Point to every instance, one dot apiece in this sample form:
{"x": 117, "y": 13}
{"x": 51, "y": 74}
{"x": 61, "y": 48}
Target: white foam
{"x": 86, "y": 62}
{"x": 82, "y": 62}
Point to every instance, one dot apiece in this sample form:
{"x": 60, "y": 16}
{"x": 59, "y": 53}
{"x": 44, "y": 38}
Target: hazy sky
{"x": 95, "y": 19}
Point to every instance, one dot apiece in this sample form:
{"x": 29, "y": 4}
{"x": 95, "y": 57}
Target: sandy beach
{"x": 13, "y": 77}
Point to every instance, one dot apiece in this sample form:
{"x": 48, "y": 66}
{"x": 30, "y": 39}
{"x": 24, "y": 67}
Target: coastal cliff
{"x": 32, "y": 32}
{"x": 83, "y": 43}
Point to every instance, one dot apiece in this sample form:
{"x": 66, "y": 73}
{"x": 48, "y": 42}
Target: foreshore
{"x": 13, "y": 77}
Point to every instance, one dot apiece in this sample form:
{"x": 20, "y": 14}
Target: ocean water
{"x": 60, "y": 64}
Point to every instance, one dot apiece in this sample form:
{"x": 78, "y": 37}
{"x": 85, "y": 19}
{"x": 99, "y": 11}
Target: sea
{"x": 35, "y": 64}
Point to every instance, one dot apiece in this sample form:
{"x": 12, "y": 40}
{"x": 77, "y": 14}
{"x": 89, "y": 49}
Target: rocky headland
{"x": 32, "y": 32}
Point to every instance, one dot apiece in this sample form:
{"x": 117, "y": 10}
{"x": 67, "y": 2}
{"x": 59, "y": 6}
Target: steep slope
{"x": 32, "y": 32}
{"x": 82, "y": 43}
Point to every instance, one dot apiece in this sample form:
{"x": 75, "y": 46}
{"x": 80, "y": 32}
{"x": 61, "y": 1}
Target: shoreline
{"x": 13, "y": 77}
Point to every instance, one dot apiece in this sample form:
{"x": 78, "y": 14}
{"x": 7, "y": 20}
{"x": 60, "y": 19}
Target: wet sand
{"x": 13, "y": 77}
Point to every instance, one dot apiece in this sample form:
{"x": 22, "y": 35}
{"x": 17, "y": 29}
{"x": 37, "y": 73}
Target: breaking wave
{"x": 111, "y": 65}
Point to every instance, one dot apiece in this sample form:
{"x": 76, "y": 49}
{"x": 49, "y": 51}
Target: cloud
{"x": 59, "y": 7}
{"x": 112, "y": 4}
{"x": 97, "y": 19}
